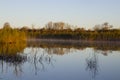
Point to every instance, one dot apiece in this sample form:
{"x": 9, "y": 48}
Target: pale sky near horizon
{"x": 83, "y": 13}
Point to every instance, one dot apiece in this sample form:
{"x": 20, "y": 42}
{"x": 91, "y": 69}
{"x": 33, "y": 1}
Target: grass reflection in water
{"x": 10, "y": 55}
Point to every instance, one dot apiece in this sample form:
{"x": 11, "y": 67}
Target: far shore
{"x": 70, "y": 41}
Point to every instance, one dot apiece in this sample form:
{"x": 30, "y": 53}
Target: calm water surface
{"x": 60, "y": 62}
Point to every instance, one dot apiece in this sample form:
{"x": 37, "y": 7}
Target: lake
{"x": 60, "y": 61}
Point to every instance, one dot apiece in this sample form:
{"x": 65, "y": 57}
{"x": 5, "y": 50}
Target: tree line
{"x": 61, "y": 30}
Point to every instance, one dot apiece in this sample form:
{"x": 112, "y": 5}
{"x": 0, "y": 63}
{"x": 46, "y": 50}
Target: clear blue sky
{"x": 84, "y": 13}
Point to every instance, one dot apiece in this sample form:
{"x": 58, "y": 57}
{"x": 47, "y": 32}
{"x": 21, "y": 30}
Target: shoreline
{"x": 70, "y": 41}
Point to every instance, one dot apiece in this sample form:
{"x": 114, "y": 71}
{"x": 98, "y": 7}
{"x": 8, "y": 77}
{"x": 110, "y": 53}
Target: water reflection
{"x": 39, "y": 60}
{"x": 42, "y": 55}
{"x": 104, "y": 46}
{"x": 92, "y": 64}
{"x": 10, "y": 57}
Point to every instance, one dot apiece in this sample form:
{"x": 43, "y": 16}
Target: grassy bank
{"x": 9, "y": 35}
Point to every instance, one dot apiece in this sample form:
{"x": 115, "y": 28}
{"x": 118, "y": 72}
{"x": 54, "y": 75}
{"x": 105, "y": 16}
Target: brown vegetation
{"x": 60, "y": 30}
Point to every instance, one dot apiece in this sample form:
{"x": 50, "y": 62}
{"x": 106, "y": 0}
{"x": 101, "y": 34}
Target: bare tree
{"x": 6, "y": 25}
{"x": 104, "y": 26}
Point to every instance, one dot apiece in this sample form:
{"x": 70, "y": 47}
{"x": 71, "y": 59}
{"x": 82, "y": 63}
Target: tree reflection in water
{"x": 58, "y": 50}
{"x": 69, "y": 47}
{"x": 39, "y": 61}
{"x": 10, "y": 57}
{"x": 41, "y": 58}
{"x": 92, "y": 64}
{"x": 41, "y": 55}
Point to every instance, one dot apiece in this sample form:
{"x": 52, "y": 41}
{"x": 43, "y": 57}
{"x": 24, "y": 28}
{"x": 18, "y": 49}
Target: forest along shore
{"x": 59, "y": 32}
